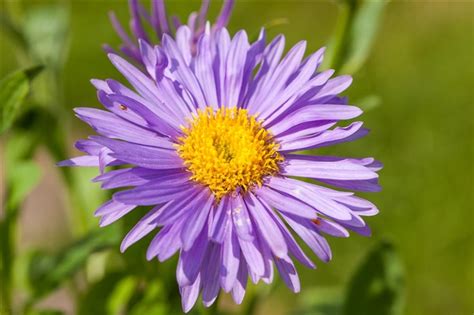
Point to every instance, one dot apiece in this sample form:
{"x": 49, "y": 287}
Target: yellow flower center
{"x": 227, "y": 149}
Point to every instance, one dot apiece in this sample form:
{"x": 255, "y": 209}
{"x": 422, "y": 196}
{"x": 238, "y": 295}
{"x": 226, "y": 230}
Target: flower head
{"x": 206, "y": 139}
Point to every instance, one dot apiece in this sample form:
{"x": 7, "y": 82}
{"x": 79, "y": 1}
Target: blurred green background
{"x": 417, "y": 86}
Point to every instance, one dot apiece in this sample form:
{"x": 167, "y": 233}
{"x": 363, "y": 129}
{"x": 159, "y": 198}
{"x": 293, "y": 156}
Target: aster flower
{"x": 158, "y": 21}
{"x": 208, "y": 141}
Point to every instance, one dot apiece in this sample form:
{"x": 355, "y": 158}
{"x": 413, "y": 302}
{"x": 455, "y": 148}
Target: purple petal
{"x": 210, "y": 274}
{"x": 141, "y": 229}
{"x": 136, "y": 176}
{"x": 288, "y": 273}
{"x": 189, "y": 294}
{"x": 230, "y": 259}
{"x": 323, "y": 204}
{"x": 190, "y": 261}
{"x": 331, "y": 228}
{"x": 110, "y": 207}
{"x": 148, "y": 157}
{"x": 195, "y": 223}
{"x": 241, "y": 219}
{"x": 135, "y": 22}
{"x": 85, "y": 160}
{"x": 225, "y": 13}
{"x": 166, "y": 242}
{"x": 221, "y": 220}
{"x": 313, "y": 167}
{"x": 253, "y": 255}
{"x": 159, "y": 17}
{"x": 313, "y": 113}
{"x": 184, "y": 206}
{"x": 147, "y": 196}
{"x": 266, "y": 225}
{"x": 286, "y": 203}
{"x": 326, "y": 138}
{"x": 305, "y": 229}
{"x": 112, "y": 126}
{"x": 238, "y": 291}
{"x": 234, "y": 71}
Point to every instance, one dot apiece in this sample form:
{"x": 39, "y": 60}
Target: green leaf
{"x": 369, "y": 102}
{"x": 7, "y": 25}
{"x": 362, "y": 34}
{"x": 355, "y": 33}
{"x": 47, "y": 272}
{"x": 320, "y": 301}
{"x": 152, "y": 301}
{"x": 94, "y": 299}
{"x": 121, "y": 295}
{"x": 13, "y": 90}
{"x": 46, "y": 29}
{"x": 377, "y": 286}
{"x": 21, "y": 181}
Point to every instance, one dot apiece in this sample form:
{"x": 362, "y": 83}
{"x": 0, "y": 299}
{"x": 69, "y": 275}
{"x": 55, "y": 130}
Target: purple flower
{"x": 207, "y": 141}
{"x": 157, "y": 19}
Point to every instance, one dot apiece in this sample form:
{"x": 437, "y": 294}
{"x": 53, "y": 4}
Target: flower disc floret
{"x": 227, "y": 149}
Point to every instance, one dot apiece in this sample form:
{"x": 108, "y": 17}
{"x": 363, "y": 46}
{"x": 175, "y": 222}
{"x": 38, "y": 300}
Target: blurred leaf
{"x": 19, "y": 146}
{"x": 378, "y": 286}
{"x": 7, "y": 25}
{"x": 357, "y": 27}
{"x": 94, "y": 300}
{"x": 13, "y": 90}
{"x": 121, "y": 295}
{"x": 21, "y": 181}
{"x": 84, "y": 195}
{"x": 369, "y": 102}
{"x": 24, "y": 177}
{"x": 320, "y": 301}
{"x": 362, "y": 34}
{"x": 153, "y": 301}
{"x": 46, "y": 29}
{"x": 46, "y": 272}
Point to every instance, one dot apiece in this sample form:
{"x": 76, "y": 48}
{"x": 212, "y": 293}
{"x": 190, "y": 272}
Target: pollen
{"x": 228, "y": 150}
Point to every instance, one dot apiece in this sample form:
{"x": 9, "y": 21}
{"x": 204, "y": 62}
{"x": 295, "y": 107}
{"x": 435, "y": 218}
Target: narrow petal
{"x": 148, "y": 157}
{"x": 238, "y": 291}
{"x": 286, "y": 203}
{"x": 112, "y": 206}
{"x": 210, "y": 274}
{"x": 288, "y": 273}
{"x": 166, "y": 242}
{"x": 221, "y": 220}
{"x": 253, "y": 256}
{"x": 195, "y": 223}
{"x": 241, "y": 219}
{"x": 112, "y": 126}
{"x": 85, "y": 160}
{"x": 189, "y": 294}
{"x": 322, "y": 203}
{"x": 141, "y": 229}
{"x": 148, "y": 196}
{"x": 304, "y": 228}
{"x": 314, "y": 113}
{"x": 190, "y": 261}
{"x": 326, "y": 138}
{"x": 230, "y": 259}
{"x": 312, "y": 167}
{"x": 267, "y": 226}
